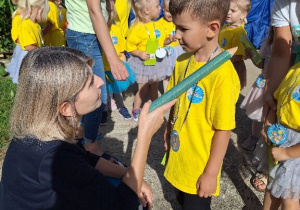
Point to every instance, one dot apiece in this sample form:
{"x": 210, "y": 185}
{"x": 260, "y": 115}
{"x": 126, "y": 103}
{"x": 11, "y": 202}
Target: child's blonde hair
{"x": 243, "y": 5}
{"x": 26, "y": 6}
{"x": 138, "y": 6}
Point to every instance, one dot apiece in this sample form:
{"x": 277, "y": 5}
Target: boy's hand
{"x": 206, "y": 185}
{"x": 144, "y": 56}
{"x": 279, "y": 154}
{"x": 167, "y": 139}
{"x": 248, "y": 53}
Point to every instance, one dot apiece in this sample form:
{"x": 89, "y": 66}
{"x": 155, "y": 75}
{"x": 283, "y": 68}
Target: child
{"x": 284, "y": 177}
{"x": 253, "y": 104}
{"x": 231, "y": 33}
{"x": 143, "y": 35}
{"x": 171, "y": 45}
{"x": 26, "y": 32}
{"x": 119, "y": 44}
{"x": 53, "y": 34}
{"x": 201, "y": 121}
{"x": 62, "y": 15}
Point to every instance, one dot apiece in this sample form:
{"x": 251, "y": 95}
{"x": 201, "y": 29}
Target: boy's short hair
{"x": 203, "y": 10}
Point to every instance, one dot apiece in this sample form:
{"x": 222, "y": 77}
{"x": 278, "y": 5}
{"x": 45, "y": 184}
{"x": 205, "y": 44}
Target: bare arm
{"x": 278, "y": 65}
{"x": 236, "y": 58}
{"x": 47, "y": 27}
{"x": 207, "y": 182}
{"x": 142, "y": 55}
{"x": 100, "y": 27}
{"x": 30, "y": 47}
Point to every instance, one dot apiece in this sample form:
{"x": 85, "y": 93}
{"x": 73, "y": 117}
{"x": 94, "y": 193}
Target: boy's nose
{"x": 98, "y": 81}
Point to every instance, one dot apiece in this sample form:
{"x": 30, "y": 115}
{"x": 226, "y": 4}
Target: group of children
{"x": 200, "y": 123}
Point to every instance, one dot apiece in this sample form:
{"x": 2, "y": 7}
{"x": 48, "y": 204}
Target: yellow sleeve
{"x": 226, "y": 94}
{"x": 133, "y": 38}
{"x": 53, "y": 15}
{"x": 29, "y": 34}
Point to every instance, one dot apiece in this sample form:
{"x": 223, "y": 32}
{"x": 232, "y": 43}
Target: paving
{"x": 236, "y": 190}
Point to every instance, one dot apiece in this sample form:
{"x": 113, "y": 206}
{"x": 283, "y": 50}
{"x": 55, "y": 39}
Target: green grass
{"x": 7, "y": 94}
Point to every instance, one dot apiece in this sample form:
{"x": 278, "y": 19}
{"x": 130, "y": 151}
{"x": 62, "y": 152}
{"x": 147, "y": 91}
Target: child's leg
{"x": 140, "y": 95}
{"x": 289, "y": 204}
{"x": 153, "y": 91}
{"x": 256, "y": 128}
{"x": 193, "y": 202}
{"x": 270, "y": 202}
{"x": 165, "y": 83}
{"x": 119, "y": 100}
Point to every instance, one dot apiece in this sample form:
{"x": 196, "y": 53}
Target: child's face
{"x": 235, "y": 15}
{"x": 57, "y": 2}
{"x": 154, "y": 9}
{"x": 190, "y": 32}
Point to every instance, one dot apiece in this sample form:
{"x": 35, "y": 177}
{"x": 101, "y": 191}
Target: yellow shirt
{"x": 123, "y": 10}
{"x": 288, "y": 95}
{"x": 29, "y": 34}
{"x": 14, "y": 26}
{"x": 139, "y": 33}
{"x": 212, "y": 107}
{"x": 118, "y": 42}
{"x": 55, "y": 36}
{"x": 230, "y": 37}
{"x": 169, "y": 28}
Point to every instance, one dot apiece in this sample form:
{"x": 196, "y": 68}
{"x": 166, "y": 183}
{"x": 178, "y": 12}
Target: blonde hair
{"x": 244, "y": 6}
{"x": 202, "y": 10}
{"x": 26, "y": 6}
{"x": 49, "y": 76}
{"x": 138, "y": 6}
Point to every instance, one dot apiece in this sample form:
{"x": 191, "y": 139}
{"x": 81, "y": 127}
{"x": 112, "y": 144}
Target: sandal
{"x": 259, "y": 182}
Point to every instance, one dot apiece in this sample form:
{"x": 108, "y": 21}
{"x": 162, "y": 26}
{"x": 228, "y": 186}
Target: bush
{"x": 7, "y": 90}
{"x": 7, "y": 8}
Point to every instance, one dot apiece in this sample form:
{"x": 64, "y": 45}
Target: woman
{"x": 44, "y": 168}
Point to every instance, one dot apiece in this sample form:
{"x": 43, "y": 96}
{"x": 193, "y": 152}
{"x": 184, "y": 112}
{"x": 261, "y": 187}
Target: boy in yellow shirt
{"x": 201, "y": 121}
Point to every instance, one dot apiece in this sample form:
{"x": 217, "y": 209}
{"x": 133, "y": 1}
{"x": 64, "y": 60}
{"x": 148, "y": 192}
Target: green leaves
{"x": 7, "y": 8}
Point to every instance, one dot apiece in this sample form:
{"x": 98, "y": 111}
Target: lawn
{"x": 7, "y": 93}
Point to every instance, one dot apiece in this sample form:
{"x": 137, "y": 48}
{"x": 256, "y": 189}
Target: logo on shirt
{"x": 157, "y": 33}
{"x": 170, "y": 50}
{"x": 195, "y": 94}
{"x": 224, "y": 42}
{"x": 114, "y": 40}
{"x": 296, "y": 93}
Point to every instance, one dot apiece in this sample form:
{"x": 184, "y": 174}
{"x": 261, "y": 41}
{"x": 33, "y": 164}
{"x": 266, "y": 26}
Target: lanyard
{"x": 149, "y": 32}
{"x": 190, "y": 103}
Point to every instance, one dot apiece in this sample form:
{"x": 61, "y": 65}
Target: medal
{"x": 174, "y": 140}
{"x": 160, "y": 53}
{"x": 260, "y": 82}
{"x": 277, "y": 134}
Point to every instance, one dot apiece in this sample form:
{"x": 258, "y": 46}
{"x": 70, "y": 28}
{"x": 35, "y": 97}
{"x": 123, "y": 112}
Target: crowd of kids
{"x": 168, "y": 49}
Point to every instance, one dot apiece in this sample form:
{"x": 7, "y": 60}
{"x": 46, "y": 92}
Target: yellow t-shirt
{"x": 212, "y": 107}
{"x": 118, "y": 42}
{"x": 55, "y": 36}
{"x": 169, "y": 28}
{"x": 30, "y": 33}
{"x": 62, "y": 18}
{"x": 288, "y": 97}
{"x": 139, "y": 33}
{"x": 123, "y": 10}
{"x": 230, "y": 37}
{"x": 14, "y": 26}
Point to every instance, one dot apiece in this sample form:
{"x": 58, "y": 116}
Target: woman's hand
{"x": 146, "y": 195}
{"x": 149, "y": 123}
{"x": 118, "y": 70}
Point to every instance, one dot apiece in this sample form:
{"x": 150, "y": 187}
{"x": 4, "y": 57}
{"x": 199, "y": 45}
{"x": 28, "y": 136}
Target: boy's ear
{"x": 213, "y": 29}
{"x": 65, "y": 109}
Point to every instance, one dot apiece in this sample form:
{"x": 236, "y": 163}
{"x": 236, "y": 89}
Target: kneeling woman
{"x": 44, "y": 168}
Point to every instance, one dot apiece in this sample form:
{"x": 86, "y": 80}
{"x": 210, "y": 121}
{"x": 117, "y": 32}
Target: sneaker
{"x": 124, "y": 113}
{"x": 104, "y": 118}
{"x": 135, "y": 114}
{"x": 250, "y": 143}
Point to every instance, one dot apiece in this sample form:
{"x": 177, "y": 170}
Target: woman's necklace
{"x": 277, "y": 133}
{"x": 174, "y": 136}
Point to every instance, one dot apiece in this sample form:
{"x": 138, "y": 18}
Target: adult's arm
{"x": 100, "y": 27}
{"x": 278, "y": 65}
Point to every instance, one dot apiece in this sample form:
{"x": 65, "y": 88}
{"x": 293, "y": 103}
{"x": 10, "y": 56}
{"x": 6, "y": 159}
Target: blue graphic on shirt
{"x": 114, "y": 40}
{"x": 296, "y": 33}
{"x": 195, "y": 94}
{"x": 224, "y": 42}
{"x": 157, "y": 33}
{"x": 296, "y": 93}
